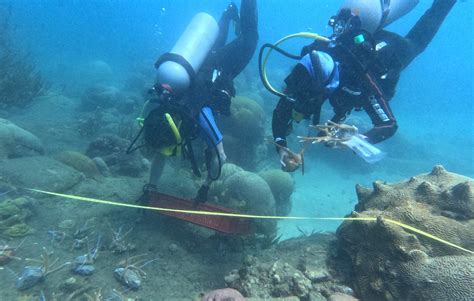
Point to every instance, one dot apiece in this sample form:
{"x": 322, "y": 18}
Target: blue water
{"x": 433, "y": 104}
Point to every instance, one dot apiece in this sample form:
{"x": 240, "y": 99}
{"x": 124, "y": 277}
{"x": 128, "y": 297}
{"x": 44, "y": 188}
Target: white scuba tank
{"x": 188, "y": 53}
{"x": 376, "y": 14}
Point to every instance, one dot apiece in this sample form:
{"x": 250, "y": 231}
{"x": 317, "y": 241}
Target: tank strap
{"x": 173, "y": 57}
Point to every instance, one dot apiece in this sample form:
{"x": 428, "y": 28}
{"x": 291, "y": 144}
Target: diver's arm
{"x": 249, "y": 20}
{"x": 298, "y": 89}
{"x": 380, "y": 133}
{"x": 214, "y": 139}
{"x": 281, "y": 121}
{"x": 428, "y": 25}
{"x": 385, "y": 124}
{"x": 317, "y": 116}
{"x": 230, "y": 14}
{"x": 281, "y": 126}
{"x": 202, "y": 194}
{"x": 232, "y": 58}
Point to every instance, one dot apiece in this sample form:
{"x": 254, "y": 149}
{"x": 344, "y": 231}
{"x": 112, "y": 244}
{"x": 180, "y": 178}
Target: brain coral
{"x": 244, "y": 132}
{"x": 246, "y": 192}
{"x": 282, "y": 186}
{"x": 246, "y": 120}
{"x": 79, "y": 162}
{"x": 391, "y": 263}
{"x": 440, "y": 278}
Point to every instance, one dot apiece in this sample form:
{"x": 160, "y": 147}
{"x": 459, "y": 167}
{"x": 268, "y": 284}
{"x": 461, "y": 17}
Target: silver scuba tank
{"x": 178, "y": 67}
{"x": 376, "y": 14}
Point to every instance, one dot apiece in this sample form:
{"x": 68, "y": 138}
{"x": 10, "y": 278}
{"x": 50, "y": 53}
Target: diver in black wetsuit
{"x": 356, "y": 70}
{"x": 210, "y": 93}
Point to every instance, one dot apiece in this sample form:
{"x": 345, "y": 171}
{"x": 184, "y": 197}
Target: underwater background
{"x": 433, "y": 104}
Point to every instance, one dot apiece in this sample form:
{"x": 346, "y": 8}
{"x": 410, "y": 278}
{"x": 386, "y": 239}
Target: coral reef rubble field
{"x": 183, "y": 265}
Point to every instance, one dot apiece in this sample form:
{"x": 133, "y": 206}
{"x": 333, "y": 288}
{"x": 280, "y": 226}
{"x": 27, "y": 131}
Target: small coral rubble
{"x": 13, "y": 215}
{"x": 112, "y": 149}
{"x": 294, "y": 268}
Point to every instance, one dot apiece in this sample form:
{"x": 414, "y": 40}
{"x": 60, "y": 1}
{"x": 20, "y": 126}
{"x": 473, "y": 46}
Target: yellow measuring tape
{"x": 98, "y": 201}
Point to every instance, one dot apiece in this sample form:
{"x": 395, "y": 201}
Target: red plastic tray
{"x": 224, "y": 224}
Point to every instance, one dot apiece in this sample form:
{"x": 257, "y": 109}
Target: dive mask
{"x": 344, "y": 21}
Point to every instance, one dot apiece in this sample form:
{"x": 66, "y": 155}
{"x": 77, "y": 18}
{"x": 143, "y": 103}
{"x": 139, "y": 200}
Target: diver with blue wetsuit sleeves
{"x": 174, "y": 116}
{"x": 357, "y": 70}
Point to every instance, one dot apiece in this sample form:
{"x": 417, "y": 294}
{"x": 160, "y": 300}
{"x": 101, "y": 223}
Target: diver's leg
{"x": 157, "y": 165}
{"x": 233, "y": 57}
{"x": 229, "y": 14}
{"x": 156, "y": 170}
{"x": 249, "y": 18}
{"x": 428, "y": 25}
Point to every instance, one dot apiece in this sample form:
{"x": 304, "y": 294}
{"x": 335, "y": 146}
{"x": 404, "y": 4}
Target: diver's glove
{"x": 202, "y": 194}
{"x": 222, "y": 102}
{"x": 147, "y": 190}
{"x": 288, "y": 162}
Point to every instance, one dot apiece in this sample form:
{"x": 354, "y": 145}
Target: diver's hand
{"x": 287, "y": 162}
{"x": 147, "y": 190}
{"x": 202, "y": 194}
{"x": 221, "y": 152}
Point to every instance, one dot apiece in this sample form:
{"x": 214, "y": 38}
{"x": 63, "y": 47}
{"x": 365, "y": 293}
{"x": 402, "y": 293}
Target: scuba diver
{"x": 194, "y": 82}
{"x": 357, "y": 68}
